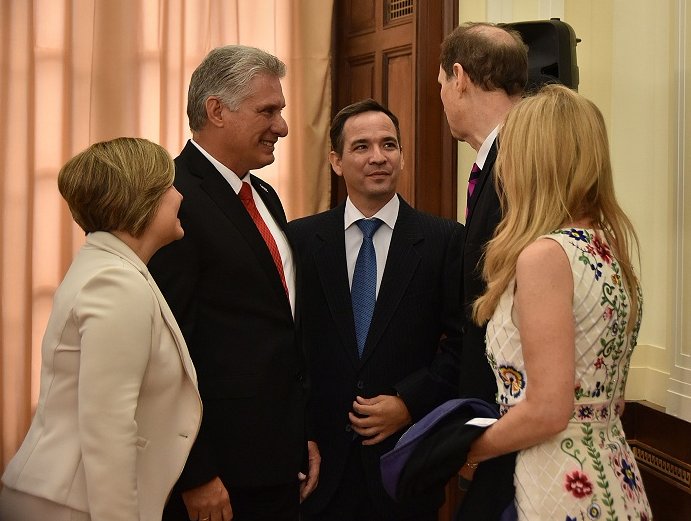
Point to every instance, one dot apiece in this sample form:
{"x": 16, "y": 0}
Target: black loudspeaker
{"x": 551, "y": 52}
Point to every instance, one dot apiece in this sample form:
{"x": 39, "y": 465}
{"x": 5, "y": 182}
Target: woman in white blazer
{"x": 118, "y": 408}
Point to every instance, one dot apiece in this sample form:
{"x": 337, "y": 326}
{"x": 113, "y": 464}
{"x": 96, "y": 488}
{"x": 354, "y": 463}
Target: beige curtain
{"x": 73, "y": 72}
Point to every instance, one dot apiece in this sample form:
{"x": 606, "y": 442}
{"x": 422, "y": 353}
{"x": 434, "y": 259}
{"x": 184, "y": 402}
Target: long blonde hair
{"x": 553, "y": 168}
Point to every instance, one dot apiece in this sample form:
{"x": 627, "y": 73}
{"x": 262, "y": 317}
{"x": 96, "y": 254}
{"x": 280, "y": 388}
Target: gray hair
{"x": 226, "y": 72}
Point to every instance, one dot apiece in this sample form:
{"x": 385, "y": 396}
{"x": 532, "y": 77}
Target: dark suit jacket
{"x": 418, "y": 303}
{"x": 476, "y": 377}
{"x": 227, "y": 296}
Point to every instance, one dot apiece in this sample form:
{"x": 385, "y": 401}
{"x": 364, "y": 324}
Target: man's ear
{"x": 335, "y": 160}
{"x": 214, "y": 111}
{"x": 460, "y": 77}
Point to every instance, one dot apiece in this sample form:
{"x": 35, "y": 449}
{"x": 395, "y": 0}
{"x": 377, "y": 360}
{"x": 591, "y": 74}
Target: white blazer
{"x": 119, "y": 408}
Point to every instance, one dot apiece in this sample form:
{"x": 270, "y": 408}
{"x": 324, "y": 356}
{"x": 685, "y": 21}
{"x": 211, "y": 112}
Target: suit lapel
{"x": 401, "y": 263}
{"x": 225, "y": 198}
{"x": 108, "y": 242}
{"x": 270, "y": 199}
{"x": 172, "y": 324}
{"x": 485, "y": 178}
{"x": 330, "y": 261}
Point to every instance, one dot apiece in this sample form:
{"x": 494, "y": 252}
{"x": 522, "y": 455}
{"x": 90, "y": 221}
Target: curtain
{"x": 73, "y": 72}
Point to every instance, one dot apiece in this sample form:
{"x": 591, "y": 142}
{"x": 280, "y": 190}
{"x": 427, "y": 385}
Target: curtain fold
{"x": 73, "y": 72}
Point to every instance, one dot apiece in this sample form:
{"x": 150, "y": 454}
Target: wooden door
{"x": 389, "y": 50}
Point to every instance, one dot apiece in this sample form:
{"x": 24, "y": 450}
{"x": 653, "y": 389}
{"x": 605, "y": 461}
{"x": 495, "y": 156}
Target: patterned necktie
{"x": 247, "y": 199}
{"x": 472, "y": 181}
{"x": 363, "y": 291}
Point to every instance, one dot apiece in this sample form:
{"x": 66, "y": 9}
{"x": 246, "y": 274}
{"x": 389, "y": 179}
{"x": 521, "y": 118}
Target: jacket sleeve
{"x": 114, "y": 316}
{"x": 426, "y": 388}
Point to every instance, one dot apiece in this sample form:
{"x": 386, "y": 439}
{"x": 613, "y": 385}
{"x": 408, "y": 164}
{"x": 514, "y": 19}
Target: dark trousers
{"x": 353, "y": 501}
{"x": 275, "y": 503}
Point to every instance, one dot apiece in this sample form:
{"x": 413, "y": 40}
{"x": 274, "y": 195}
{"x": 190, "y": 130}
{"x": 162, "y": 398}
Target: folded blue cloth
{"x": 432, "y": 451}
{"x": 393, "y": 462}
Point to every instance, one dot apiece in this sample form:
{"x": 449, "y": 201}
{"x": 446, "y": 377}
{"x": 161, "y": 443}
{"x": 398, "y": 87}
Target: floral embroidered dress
{"x": 588, "y": 471}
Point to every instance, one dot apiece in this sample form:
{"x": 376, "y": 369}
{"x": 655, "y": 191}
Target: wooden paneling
{"x": 360, "y": 72}
{"x": 399, "y": 40}
{"x": 398, "y": 96}
{"x": 359, "y": 17}
{"x": 662, "y": 446}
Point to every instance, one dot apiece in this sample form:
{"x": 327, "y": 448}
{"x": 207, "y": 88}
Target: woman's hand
{"x": 465, "y": 475}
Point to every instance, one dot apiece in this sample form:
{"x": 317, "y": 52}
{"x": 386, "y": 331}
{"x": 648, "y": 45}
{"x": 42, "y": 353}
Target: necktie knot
{"x": 472, "y": 181}
{"x": 369, "y": 226}
{"x": 475, "y": 172}
{"x": 245, "y": 193}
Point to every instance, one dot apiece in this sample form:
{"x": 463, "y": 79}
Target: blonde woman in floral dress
{"x": 564, "y": 308}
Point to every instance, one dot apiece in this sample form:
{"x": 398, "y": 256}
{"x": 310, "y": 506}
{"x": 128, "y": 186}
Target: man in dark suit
{"x": 374, "y": 372}
{"x": 231, "y": 285}
{"x": 483, "y": 72}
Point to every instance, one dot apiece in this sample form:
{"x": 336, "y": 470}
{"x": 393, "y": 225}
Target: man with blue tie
{"x": 378, "y": 290}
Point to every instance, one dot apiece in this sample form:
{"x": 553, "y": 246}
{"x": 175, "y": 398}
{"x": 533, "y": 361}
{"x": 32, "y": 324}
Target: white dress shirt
{"x": 381, "y": 239}
{"x": 279, "y": 236}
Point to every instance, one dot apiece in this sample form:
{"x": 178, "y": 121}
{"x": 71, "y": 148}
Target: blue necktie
{"x": 363, "y": 291}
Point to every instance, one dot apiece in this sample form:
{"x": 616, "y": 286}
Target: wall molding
{"x": 679, "y": 384}
{"x": 672, "y": 470}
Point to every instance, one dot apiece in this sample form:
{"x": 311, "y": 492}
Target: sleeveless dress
{"x": 587, "y": 472}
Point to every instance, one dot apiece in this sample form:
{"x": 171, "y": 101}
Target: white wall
{"x": 632, "y": 61}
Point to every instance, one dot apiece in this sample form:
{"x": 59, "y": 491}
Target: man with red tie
{"x": 231, "y": 286}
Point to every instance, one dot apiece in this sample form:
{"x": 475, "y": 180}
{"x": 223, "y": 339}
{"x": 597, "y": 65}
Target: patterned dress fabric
{"x": 588, "y": 471}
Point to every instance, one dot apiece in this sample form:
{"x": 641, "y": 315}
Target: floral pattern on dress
{"x": 597, "y": 477}
{"x": 628, "y": 475}
{"x": 578, "y": 484}
{"x": 596, "y": 253}
{"x": 514, "y": 382}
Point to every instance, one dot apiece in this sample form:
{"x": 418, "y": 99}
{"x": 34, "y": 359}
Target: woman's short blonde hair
{"x": 116, "y": 185}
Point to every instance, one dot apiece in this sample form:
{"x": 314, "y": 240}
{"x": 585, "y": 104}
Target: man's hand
{"x": 208, "y": 502}
{"x": 381, "y": 417}
{"x": 309, "y": 482}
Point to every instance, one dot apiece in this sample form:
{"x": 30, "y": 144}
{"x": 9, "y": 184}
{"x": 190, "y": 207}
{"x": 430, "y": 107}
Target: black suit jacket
{"x": 476, "y": 377}
{"x": 227, "y": 296}
{"x": 418, "y": 304}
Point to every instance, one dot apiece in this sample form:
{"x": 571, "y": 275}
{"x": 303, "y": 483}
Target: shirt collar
{"x": 484, "y": 149}
{"x": 230, "y": 176}
{"x": 388, "y": 213}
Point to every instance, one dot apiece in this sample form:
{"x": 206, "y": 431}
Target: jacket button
{"x": 348, "y": 427}
{"x": 360, "y": 384}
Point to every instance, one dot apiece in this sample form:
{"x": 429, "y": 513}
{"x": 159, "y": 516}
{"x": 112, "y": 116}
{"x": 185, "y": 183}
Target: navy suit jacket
{"x": 223, "y": 287}
{"x": 412, "y": 345}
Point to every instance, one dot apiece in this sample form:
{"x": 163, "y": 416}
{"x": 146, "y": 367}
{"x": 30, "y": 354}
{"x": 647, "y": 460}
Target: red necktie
{"x": 472, "y": 181}
{"x": 247, "y": 199}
